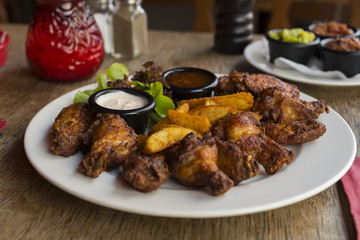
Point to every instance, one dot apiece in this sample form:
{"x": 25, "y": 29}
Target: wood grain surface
{"x": 32, "y": 208}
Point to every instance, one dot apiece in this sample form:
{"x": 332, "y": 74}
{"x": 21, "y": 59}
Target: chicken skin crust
{"x": 294, "y": 132}
{"x": 194, "y": 163}
{"x": 110, "y": 142}
{"x": 252, "y": 83}
{"x": 146, "y": 173}
{"x": 68, "y": 128}
{"x": 243, "y": 129}
{"x": 277, "y": 105}
{"x": 235, "y": 163}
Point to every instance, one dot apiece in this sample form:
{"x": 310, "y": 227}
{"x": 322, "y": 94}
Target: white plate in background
{"x": 255, "y": 54}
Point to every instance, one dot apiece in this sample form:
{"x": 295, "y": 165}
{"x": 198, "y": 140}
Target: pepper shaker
{"x": 233, "y": 25}
{"x": 129, "y": 29}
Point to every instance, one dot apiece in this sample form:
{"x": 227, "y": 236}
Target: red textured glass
{"x": 63, "y": 41}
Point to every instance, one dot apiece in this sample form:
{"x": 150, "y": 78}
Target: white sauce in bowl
{"x": 120, "y": 100}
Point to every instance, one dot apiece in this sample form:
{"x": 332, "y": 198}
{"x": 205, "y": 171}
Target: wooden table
{"x": 32, "y": 208}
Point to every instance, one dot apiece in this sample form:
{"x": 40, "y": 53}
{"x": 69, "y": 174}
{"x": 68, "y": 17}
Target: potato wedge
{"x": 165, "y": 138}
{"x": 209, "y": 102}
{"x": 213, "y": 112}
{"x": 200, "y": 124}
{"x": 159, "y": 125}
{"x": 162, "y": 126}
{"x": 183, "y": 108}
{"x": 242, "y": 101}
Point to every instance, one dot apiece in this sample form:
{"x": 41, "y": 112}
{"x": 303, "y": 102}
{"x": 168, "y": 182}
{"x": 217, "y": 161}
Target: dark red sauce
{"x": 188, "y": 79}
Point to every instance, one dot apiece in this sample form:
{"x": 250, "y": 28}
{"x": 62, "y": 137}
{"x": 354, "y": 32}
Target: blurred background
{"x": 197, "y": 15}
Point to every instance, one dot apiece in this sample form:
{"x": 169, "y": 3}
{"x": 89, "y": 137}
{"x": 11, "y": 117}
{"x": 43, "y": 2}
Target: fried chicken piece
{"x": 243, "y": 129}
{"x": 141, "y": 140}
{"x": 294, "y": 132}
{"x": 193, "y": 163}
{"x": 146, "y": 173}
{"x": 69, "y": 126}
{"x": 111, "y": 141}
{"x": 277, "y": 105}
{"x": 252, "y": 83}
{"x": 234, "y": 162}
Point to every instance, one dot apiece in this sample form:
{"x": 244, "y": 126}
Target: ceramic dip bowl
{"x": 338, "y": 57}
{"x": 332, "y": 29}
{"x": 133, "y": 105}
{"x": 188, "y": 83}
{"x": 297, "y": 52}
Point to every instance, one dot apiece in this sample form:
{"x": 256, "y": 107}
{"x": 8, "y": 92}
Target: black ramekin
{"x": 180, "y": 93}
{"x": 355, "y": 29}
{"x": 136, "y": 118}
{"x": 346, "y": 62}
{"x": 297, "y": 52}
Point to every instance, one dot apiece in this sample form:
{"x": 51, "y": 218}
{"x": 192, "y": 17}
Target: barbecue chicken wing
{"x": 277, "y": 105}
{"x": 146, "y": 172}
{"x": 193, "y": 163}
{"x": 110, "y": 141}
{"x": 67, "y": 131}
{"x": 252, "y": 83}
{"x": 243, "y": 129}
{"x": 234, "y": 162}
{"x": 295, "y": 132}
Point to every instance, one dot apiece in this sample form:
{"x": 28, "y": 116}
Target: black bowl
{"x": 346, "y": 62}
{"x": 355, "y": 29}
{"x": 136, "y": 118}
{"x": 297, "y": 52}
{"x": 186, "y": 91}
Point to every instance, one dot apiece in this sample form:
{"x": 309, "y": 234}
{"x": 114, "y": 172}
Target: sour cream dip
{"x": 120, "y": 100}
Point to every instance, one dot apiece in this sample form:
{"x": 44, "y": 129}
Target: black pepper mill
{"x": 233, "y": 25}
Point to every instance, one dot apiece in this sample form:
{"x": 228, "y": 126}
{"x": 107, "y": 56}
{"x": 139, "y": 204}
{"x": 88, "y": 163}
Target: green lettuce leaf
{"x": 114, "y": 72}
{"x": 163, "y": 103}
{"x": 117, "y": 71}
{"x": 155, "y": 89}
{"x": 83, "y": 96}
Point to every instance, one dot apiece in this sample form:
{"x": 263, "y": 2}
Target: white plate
{"x": 255, "y": 54}
{"x": 317, "y": 165}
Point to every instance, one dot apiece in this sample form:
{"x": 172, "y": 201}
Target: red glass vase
{"x": 64, "y": 43}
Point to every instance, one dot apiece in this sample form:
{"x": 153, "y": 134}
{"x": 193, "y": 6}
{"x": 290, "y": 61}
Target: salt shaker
{"x": 102, "y": 10}
{"x": 129, "y": 29}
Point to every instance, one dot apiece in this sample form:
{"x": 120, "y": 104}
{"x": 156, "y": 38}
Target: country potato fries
{"x": 213, "y": 112}
{"x": 184, "y": 108}
{"x": 199, "y": 124}
{"x": 242, "y": 101}
{"x": 194, "y": 115}
{"x": 165, "y": 138}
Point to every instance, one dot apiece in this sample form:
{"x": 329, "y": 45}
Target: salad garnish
{"x": 149, "y": 80}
